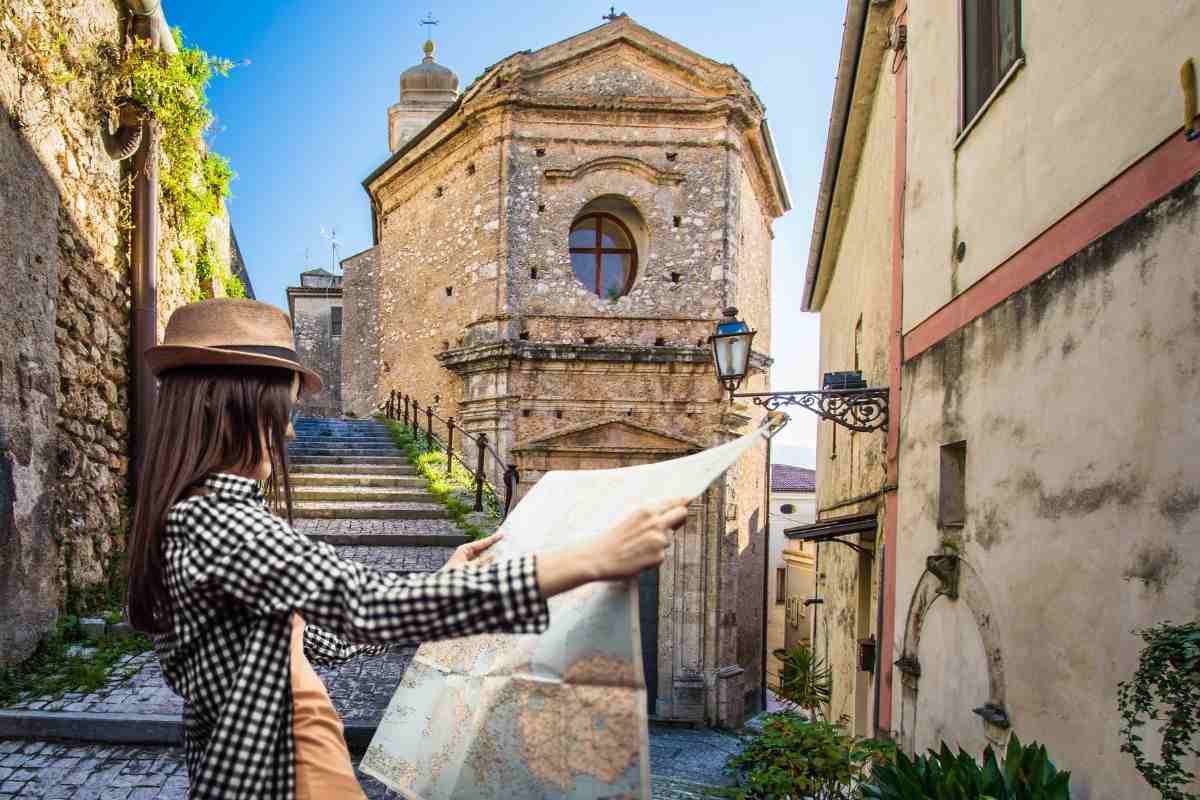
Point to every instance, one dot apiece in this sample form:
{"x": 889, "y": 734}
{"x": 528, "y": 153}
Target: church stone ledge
{"x": 464, "y": 359}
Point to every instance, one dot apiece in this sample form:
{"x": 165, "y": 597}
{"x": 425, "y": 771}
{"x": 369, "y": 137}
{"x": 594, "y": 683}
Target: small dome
{"x": 427, "y": 77}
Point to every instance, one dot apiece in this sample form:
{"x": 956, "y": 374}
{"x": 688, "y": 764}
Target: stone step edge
{"x": 104, "y": 728}
{"x": 390, "y": 539}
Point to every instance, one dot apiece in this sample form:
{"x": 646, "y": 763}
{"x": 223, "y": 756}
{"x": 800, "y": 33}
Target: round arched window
{"x": 603, "y": 254}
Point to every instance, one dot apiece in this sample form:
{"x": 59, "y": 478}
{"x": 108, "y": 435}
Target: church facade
{"x": 553, "y": 247}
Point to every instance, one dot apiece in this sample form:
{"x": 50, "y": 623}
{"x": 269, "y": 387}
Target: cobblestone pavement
{"x": 56, "y": 771}
{"x": 691, "y": 755}
{"x": 360, "y": 526}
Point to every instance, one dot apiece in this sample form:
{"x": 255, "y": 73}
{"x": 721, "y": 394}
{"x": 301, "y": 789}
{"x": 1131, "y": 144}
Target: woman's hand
{"x": 473, "y": 552}
{"x": 636, "y": 543}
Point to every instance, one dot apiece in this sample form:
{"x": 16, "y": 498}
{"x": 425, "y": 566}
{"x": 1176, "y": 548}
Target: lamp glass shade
{"x": 731, "y": 352}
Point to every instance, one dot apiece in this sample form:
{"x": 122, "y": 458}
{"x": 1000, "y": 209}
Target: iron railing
{"x": 482, "y": 461}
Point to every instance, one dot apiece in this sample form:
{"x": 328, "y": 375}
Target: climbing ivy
{"x": 1165, "y": 690}
{"x": 194, "y": 179}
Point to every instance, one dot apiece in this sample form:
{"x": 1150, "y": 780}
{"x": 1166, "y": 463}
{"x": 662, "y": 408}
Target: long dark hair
{"x": 208, "y": 419}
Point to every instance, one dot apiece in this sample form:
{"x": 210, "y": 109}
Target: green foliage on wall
{"x": 1165, "y": 691}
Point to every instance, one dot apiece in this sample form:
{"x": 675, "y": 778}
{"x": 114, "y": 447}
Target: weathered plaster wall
{"x": 804, "y": 511}
{"x": 64, "y": 367}
{"x": 851, "y": 469}
{"x": 362, "y": 389}
{"x": 318, "y": 348}
{"x": 1075, "y": 400}
{"x": 1065, "y": 125}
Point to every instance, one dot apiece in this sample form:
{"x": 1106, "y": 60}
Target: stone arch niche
{"x": 951, "y": 615}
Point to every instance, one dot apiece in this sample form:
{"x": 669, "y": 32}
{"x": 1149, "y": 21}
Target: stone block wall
{"x": 362, "y": 390}
{"x": 318, "y": 347}
{"x": 64, "y": 367}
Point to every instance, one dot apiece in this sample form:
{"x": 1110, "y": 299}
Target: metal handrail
{"x": 404, "y": 408}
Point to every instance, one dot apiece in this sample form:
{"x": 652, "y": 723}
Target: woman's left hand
{"x": 474, "y": 552}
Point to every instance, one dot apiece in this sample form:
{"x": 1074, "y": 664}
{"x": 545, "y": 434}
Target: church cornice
{"x": 624, "y": 163}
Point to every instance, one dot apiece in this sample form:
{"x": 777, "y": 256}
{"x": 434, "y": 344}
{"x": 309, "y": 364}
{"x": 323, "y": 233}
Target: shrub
{"x": 793, "y": 759}
{"x": 804, "y": 679}
{"x": 1026, "y": 774}
{"x": 1165, "y": 689}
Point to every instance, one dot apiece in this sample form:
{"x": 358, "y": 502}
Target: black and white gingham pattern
{"x": 235, "y": 572}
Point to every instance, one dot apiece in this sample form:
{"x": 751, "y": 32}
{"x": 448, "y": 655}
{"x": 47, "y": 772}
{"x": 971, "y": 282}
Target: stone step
{"x": 398, "y": 461}
{"x": 405, "y": 470}
{"x": 321, "y": 440}
{"x": 341, "y": 479}
{"x": 358, "y": 509}
{"x": 346, "y": 450}
{"x": 366, "y": 494}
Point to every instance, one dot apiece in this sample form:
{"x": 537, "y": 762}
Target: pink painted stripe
{"x": 1156, "y": 174}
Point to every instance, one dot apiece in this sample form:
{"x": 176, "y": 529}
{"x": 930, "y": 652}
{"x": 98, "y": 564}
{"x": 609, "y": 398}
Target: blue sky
{"x": 306, "y": 120}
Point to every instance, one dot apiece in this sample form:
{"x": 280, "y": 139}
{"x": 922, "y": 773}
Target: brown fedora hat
{"x": 226, "y": 333}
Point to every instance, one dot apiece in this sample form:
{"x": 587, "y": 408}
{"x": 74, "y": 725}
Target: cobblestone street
{"x": 56, "y": 771}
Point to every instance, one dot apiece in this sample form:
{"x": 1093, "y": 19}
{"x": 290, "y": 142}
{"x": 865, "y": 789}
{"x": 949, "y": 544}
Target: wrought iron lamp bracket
{"x": 862, "y": 410}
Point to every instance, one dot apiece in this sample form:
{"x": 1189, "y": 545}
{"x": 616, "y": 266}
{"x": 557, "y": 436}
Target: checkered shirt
{"x": 235, "y": 572}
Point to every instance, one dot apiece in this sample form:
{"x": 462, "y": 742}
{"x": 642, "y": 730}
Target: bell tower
{"x": 426, "y": 90}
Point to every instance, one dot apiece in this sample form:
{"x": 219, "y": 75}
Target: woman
{"x": 239, "y": 603}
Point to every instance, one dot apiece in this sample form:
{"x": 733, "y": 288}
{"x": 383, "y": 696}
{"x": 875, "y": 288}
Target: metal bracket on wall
{"x": 862, "y": 410}
{"x": 909, "y": 666}
{"x": 1187, "y": 79}
{"x": 945, "y": 568}
{"x": 994, "y": 714}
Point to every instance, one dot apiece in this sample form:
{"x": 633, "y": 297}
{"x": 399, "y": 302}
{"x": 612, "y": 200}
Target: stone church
{"x": 553, "y": 246}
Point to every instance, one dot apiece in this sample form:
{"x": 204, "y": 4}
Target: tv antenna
{"x": 612, "y": 14}
{"x": 331, "y": 235}
{"x": 429, "y": 22}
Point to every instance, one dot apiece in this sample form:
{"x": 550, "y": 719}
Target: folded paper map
{"x": 556, "y": 715}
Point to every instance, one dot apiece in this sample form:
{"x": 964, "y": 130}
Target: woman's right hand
{"x": 636, "y": 543}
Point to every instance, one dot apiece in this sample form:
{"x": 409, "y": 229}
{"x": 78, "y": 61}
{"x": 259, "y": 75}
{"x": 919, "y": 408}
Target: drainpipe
{"x": 137, "y": 135}
{"x": 767, "y": 579}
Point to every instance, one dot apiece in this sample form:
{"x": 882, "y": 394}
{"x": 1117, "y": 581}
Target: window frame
{"x": 1004, "y": 76}
{"x": 780, "y": 585}
{"x": 600, "y": 251}
{"x": 335, "y": 321}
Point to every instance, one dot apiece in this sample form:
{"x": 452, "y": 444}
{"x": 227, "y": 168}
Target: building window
{"x": 780, "y": 585}
{"x": 952, "y": 490}
{"x": 603, "y": 254}
{"x": 335, "y": 321}
{"x": 787, "y": 508}
{"x": 991, "y": 45}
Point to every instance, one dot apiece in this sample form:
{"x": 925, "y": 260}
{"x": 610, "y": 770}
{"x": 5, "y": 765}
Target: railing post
{"x": 416, "y": 428}
{"x": 406, "y": 399}
{"x": 511, "y": 477}
{"x": 392, "y": 405}
{"x": 449, "y": 446}
{"x": 481, "y": 444}
{"x": 429, "y": 427}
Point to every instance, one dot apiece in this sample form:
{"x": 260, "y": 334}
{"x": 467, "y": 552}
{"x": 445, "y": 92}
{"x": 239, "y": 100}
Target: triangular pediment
{"x": 612, "y": 435}
{"x": 617, "y": 70}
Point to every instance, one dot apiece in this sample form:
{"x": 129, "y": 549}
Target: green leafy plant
{"x": 804, "y": 679}
{"x": 793, "y": 759}
{"x": 1026, "y": 774}
{"x": 234, "y": 286}
{"x": 451, "y": 490}
{"x": 1164, "y": 690}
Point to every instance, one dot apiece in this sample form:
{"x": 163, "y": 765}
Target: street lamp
{"x": 844, "y": 397}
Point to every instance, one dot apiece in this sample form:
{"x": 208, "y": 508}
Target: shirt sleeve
{"x": 323, "y": 649}
{"x": 270, "y": 568}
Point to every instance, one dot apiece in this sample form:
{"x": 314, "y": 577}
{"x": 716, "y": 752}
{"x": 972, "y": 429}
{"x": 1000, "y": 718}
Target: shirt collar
{"x": 235, "y": 486}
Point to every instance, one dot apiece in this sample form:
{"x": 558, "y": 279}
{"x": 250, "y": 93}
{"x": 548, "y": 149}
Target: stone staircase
{"x": 350, "y": 469}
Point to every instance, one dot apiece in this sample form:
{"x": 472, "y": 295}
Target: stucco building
{"x": 315, "y": 307}
{"x": 1005, "y": 237}
{"x": 553, "y": 248}
{"x": 789, "y": 574}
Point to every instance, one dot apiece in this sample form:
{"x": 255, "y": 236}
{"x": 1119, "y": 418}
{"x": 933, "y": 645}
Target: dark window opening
{"x": 449, "y": 291}
{"x": 533, "y": 272}
{"x": 558, "y": 415}
{"x": 603, "y": 254}
{"x": 780, "y": 585}
{"x": 677, "y": 221}
{"x": 470, "y": 169}
{"x": 525, "y": 412}
{"x": 675, "y": 276}
{"x": 952, "y": 489}
{"x": 541, "y": 151}
{"x": 524, "y": 336}
{"x": 660, "y": 342}
{"x": 589, "y": 340}
{"x": 787, "y": 508}
{"x": 991, "y": 45}
{"x": 439, "y": 191}
{"x": 671, "y": 156}
{"x": 335, "y": 321}
{"x": 541, "y": 207}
